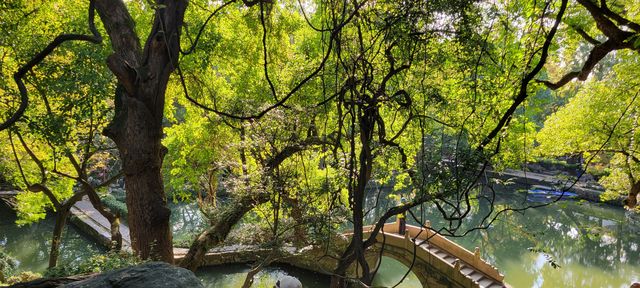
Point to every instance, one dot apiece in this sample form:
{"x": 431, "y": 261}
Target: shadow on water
{"x": 391, "y": 272}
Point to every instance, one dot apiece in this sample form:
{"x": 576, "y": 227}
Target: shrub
{"x": 185, "y": 240}
{"x": 115, "y": 205}
{"x": 96, "y": 264}
{"x": 23, "y": 277}
{"x": 8, "y": 265}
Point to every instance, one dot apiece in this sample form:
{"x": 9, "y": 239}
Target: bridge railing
{"x": 394, "y": 241}
{"x": 470, "y": 258}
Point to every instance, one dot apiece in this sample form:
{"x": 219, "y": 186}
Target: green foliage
{"x": 185, "y": 240}
{"x": 116, "y": 206}
{"x": 463, "y": 60}
{"x": 600, "y": 123}
{"x": 96, "y": 264}
{"x": 617, "y": 181}
{"x": 8, "y": 265}
{"x": 68, "y": 105}
{"x": 195, "y": 151}
{"x": 23, "y": 276}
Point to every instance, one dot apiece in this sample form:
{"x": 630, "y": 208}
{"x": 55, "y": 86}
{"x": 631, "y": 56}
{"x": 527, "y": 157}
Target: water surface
{"x": 31, "y": 244}
{"x": 234, "y": 275}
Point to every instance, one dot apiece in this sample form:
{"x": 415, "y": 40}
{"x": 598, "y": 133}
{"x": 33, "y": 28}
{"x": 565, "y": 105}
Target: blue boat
{"x": 539, "y": 193}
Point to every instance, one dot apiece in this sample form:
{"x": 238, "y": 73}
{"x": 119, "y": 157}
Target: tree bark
{"x": 632, "y": 198}
{"x": 216, "y": 234}
{"x": 138, "y": 140}
{"x": 114, "y": 219}
{"x": 136, "y": 128}
{"x": 297, "y": 213}
{"x": 61, "y": 221}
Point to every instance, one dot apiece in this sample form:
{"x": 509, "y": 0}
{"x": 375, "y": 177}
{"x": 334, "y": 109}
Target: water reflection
{"x": 30, "y": 244}
{"x": 233, "y": 276}
{"x": 186, "y": 219}
{"x": 391, "y": 272}
{"x": 594, "y": 245}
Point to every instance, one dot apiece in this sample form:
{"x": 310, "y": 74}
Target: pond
{"x": 30, "y": 244}
{"x": 235, "y": 274}
{"x": 592, "y": 245}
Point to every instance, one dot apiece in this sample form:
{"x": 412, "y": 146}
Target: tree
{"x": 269, "y": 178}
{"x": 381, "y": 78}
{"x": 614, "y": 25}
{"x": 380, "y": 110}
{"x": 142, "y": 73}
{"x": 59, "y": 190}
{"x": 56, "y": 148}
{"x": 369, "y": 95}
{"x": 601, "y": 121}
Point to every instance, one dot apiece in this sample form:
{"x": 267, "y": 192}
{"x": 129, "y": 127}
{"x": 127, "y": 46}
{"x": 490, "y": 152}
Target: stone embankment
{"x": 584, "y": 190}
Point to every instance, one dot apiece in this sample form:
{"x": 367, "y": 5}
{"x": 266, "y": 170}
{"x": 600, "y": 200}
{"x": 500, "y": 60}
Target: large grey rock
{"x": 152, "y": 274}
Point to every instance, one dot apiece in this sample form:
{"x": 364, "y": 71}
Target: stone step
{"x": 90, "y": 221}
{"x": 466, "y": 270}
{"x": 449, "y": 259}
{"x": 485, "y": 282}
{"x": 475, "y": 276}
{"x": 442, "y": 254}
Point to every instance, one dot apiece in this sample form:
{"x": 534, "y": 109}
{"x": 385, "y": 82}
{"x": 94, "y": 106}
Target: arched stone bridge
{"x": 437, "y": 261}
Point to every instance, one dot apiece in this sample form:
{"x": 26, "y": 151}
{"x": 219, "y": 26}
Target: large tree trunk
{"x": 137, "y": 132}
{"x": 297, "y": 213}
{"x": 136, "y": 128}
{"x": 146, "y": 200}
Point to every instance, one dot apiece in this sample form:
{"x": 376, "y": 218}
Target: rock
{"x": 288, "y": 282}
{"x": 152, "y": 274}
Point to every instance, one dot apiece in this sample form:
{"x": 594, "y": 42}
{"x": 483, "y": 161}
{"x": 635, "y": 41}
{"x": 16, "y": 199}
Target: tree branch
{"x": 586, "y": 36}
{"x": 62, "y": 38}
{"x": 524, "y": 84}
{"x": 617, "y": 39}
